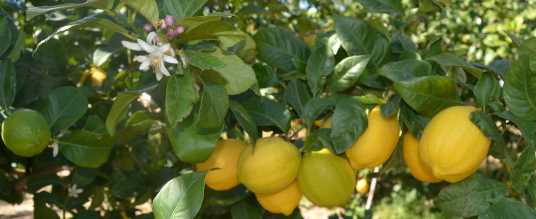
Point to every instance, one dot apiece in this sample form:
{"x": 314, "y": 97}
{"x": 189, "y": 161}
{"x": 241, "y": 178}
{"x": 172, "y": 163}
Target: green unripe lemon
{"x": 25, "y": 133}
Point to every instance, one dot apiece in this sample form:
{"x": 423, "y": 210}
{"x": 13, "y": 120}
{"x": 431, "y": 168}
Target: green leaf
{"x": 487, "y": 89}
{"x": 347, "y": 72}
{"x": 214, "y": 105}
{"x": 412, "y": 120}
{"x": 191, "y": 143}
{"x": 33, "y": 11}
{"x": 245, "y": 120}
{"x": 181, "y": 95}
{"x": 7, "y": 84}
{"x": 41, "y": 211}
{"x": 238, "y": 75}
{"x": 85, "y": 148}
{"x": 204, "y": 28}
{"x": 181, "y": 197}
{"x": 5, "y": 35}
{"x": 349, "y": 121}
{"x": 315, "y": 107}
{"x": 509, "y": 208}
{"x": 383, "y": 6}
{"x": 297, "y": 95}
{"x": 182, "y": 8}
{"x": 487, "y": 125}
{"x": 147, "y": 8}
{"x": 520, "y": 88}
{"x": 390, "y": 108}
{"x": 119, "y": 110}
{"x": 447, "y": 60}
{"x": 405, "y": 70}
{"x": 359, "y": 38}
{"x": 65, "y": 106}
{"x": 246, "y": 210}
{"x": 470, "y": 197}
{"x": 89, "y": 21}
{"x": 319, "y": 66}
{"x": 428, "y": 95}
{"x": 281, "y": 48}
{"x": 267, "y": 112}
{"x": 523, "y": 169}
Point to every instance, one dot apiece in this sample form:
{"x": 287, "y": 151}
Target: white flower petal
{"x": 141, "y": 58}
{"x": 163, "y": 69}
{"x": 171, "y": 59}
{"x": 159, "y": 76}
{"x": 147, "y": 47}
{"x": 152, "y": 38}
{"x": 131, "y": 45}
{"x": 145, "y": 66}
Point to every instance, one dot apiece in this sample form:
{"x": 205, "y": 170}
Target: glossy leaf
{"x": 238, "y": 75}
{"x": 347, "y": 72}
{"x": 181, "y": 197}
{"x": 383, "y": 6}
{"x": 297, "y": 95}
{"x": 7, "y": 84}
{"x": 390, "y": 108}
{"x": 405, "y": 70}
{"x": 5, "y": 35}
{"x": 359, "y": 38}
{"x": 147, "y": 8}
{"x": 65, "y": 106}
{"x": 349, "y": 121}
{"x": 85, "y": 148}
{"x": 33, "y": 11}
{"x": 280, "y": 48}
{"x": 447, "y": 60}
{"x": 509, "y": 208}
{"x": 245, "y": 120}
{"x": 428, "y": 95}
{"x": 182, "y": 8}
{"x": 119, "y": 110}
{"x": 520, "y": 88}
{"x": 246, "y": 210}
{"x": 191, "y": 143}
{"x": 268, "y": 112}
{"x": 412, "y": 120}
{"x": 315, "y": 107}
{"x": 319, "y": 66}
{"x": 487, "y": 89}
{"x": 487, "y": 125}
{"x": 214, "y": 105}
{"x": 470, "y": 197}
{"x": 523, "y": 169}
{"x": 181, "y": 95}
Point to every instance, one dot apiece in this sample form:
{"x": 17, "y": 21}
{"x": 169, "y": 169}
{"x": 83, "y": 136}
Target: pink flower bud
{"x": 169, "y": 20}
{"x": 148, "y": 27}
{"x": 179, "y": 29}
{"x": 171, "y": 34}
{"x": 163, "y": 25}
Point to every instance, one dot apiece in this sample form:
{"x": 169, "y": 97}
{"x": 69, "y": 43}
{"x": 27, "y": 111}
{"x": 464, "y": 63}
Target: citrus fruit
{"x": 26, "y": 133}
{"x": 222, "y": 165}
{"x": 377, "y": 143}
{"x": 282, "y": 202}
{"x": 411, "y": 156}
{"x": 452, "y": 146}
{"x": 362, "y": 186}
{"x": 326, "y": 179}
{"x": 270, "y": 166}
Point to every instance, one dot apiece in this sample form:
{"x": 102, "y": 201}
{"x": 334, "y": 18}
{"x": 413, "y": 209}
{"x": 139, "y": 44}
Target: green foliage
{"x": 248, "y": 69}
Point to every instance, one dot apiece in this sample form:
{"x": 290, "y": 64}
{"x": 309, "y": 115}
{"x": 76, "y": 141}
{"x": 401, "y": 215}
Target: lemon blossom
{"x": 157, "y": 54}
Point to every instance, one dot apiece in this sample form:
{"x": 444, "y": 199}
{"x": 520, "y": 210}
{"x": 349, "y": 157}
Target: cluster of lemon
{"x": 451, "y": 149}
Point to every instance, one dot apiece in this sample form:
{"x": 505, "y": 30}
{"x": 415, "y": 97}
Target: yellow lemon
{"x": 282, "y": 202}
{"x": 452, "y": 146}
{"x": 377, "y": 143}
{"x": 411, "y": 156}
{"x": 26, "y": 133}
{"x": 270, "y": 166}
{"x": 222, "y": 165}
{"x": 362, "y": 186}
{"x": 326, "y": 179}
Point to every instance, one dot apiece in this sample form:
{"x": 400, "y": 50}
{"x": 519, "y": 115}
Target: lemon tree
{"x": 180, "y": 109}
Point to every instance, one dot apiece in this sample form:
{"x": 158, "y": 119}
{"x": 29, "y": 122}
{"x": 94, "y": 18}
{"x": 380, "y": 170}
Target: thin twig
{"x": 370, "y": 196}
